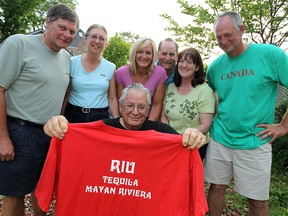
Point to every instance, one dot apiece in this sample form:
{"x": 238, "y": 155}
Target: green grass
{"x": 279, "y": 194}
{"x": 236, "y": 205}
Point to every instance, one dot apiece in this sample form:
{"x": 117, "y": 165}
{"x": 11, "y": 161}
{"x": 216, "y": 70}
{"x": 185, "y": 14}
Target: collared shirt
{"x": 170, "y": 78}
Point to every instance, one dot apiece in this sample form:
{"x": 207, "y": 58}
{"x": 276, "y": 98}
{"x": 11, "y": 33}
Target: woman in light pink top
{"x": 142, "y": 69}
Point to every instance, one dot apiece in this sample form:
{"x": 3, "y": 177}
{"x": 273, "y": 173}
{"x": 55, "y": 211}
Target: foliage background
{"x": 265, "y": 21}
{"x": 24, "y": 16}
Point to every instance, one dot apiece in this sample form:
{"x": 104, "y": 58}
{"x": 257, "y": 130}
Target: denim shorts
{"x": 19, "y": 176}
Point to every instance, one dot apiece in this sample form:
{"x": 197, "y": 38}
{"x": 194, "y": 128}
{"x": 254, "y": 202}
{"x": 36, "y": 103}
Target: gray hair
{"x": 62, "y": 11}
{"x": 135, "y": 86}
{"x": 236, "y": 18}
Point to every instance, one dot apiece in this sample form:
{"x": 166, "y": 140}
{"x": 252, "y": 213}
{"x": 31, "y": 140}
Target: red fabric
{"x": 169, "y": 176}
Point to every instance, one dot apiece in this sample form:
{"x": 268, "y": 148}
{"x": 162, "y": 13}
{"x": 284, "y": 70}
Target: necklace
{"x": 90, "y": 67}
{"x": 140, "y": 80}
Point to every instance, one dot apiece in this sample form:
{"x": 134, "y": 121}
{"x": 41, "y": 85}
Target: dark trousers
{"x": 76, "y": 114}
{"x": 202, "y": 151}
{"x": 19, "y": 176}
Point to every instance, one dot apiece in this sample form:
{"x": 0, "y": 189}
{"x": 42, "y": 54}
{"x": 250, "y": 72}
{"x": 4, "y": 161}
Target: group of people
{"x": 158, "y": 89}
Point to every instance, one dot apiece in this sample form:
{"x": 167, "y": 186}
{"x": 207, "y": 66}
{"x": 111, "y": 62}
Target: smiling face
{"x": 134, "y": 109}
{"x": 167, "y": 55}
{"x": 96, "y": 40}
{"x": 144, "y": 56}
{"x": 229, "y": 37}
{"x": 59, "y": 34}
{"x": 187, "y": 67}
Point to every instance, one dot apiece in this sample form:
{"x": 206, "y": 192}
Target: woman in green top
{"x": 189, "y": 101}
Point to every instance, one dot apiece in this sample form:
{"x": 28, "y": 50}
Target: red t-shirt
{"x": 101, "y": 170}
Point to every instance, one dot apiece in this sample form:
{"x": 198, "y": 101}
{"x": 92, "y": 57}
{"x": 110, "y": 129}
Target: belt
{"x": 86, "y": 110}
{"x": 23, "y": 122}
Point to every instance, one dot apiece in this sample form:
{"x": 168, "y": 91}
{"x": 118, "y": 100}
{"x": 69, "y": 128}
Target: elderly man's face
{"x": 134, "y": 109}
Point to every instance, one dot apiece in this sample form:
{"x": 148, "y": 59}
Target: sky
{"x": 140, "y": 17}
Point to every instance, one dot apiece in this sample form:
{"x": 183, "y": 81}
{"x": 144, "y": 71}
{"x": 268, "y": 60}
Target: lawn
{"x": 236, "y": 205}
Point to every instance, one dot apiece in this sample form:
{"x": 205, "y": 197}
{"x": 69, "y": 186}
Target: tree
{"x": 129, "y": 37}
{"x": 265, "y": 21}
{"x": 24, "y": 16}
{"x": 117, "y": 50}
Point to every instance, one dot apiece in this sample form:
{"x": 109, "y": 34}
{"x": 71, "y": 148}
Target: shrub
{"x": 280, "y": 146}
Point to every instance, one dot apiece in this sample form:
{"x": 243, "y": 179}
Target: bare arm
{"x": 284, "y": 121}
{"x": 216, "y": 103}
{"x": 274, "y": 130}
{"x": 7, "y": 151}
{"x": 157, "y": 102}
{"x": 112, "y": 98}
{"x": 65, "y": 101}
{"x": 119, "y": 88}
{"x": 205, "y": 122}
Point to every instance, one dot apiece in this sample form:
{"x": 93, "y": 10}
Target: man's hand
{"x": 274, "y": 131}
{"x": 7, "y": 151}
{"x": 193, "y": 138}
{"x": 57, "y": 126}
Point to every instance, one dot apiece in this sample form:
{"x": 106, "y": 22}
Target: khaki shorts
{"x": 251, "y": 169}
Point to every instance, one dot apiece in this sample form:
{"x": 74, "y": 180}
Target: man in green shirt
{"x": 245, "y": 79}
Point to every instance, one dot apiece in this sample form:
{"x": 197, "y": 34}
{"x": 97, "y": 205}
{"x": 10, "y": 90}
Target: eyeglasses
{"x": 95, "y": 37}
{"x": 140, "y": 108}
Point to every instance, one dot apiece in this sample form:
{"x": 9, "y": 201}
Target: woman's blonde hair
{"x": 139, "y": 44}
